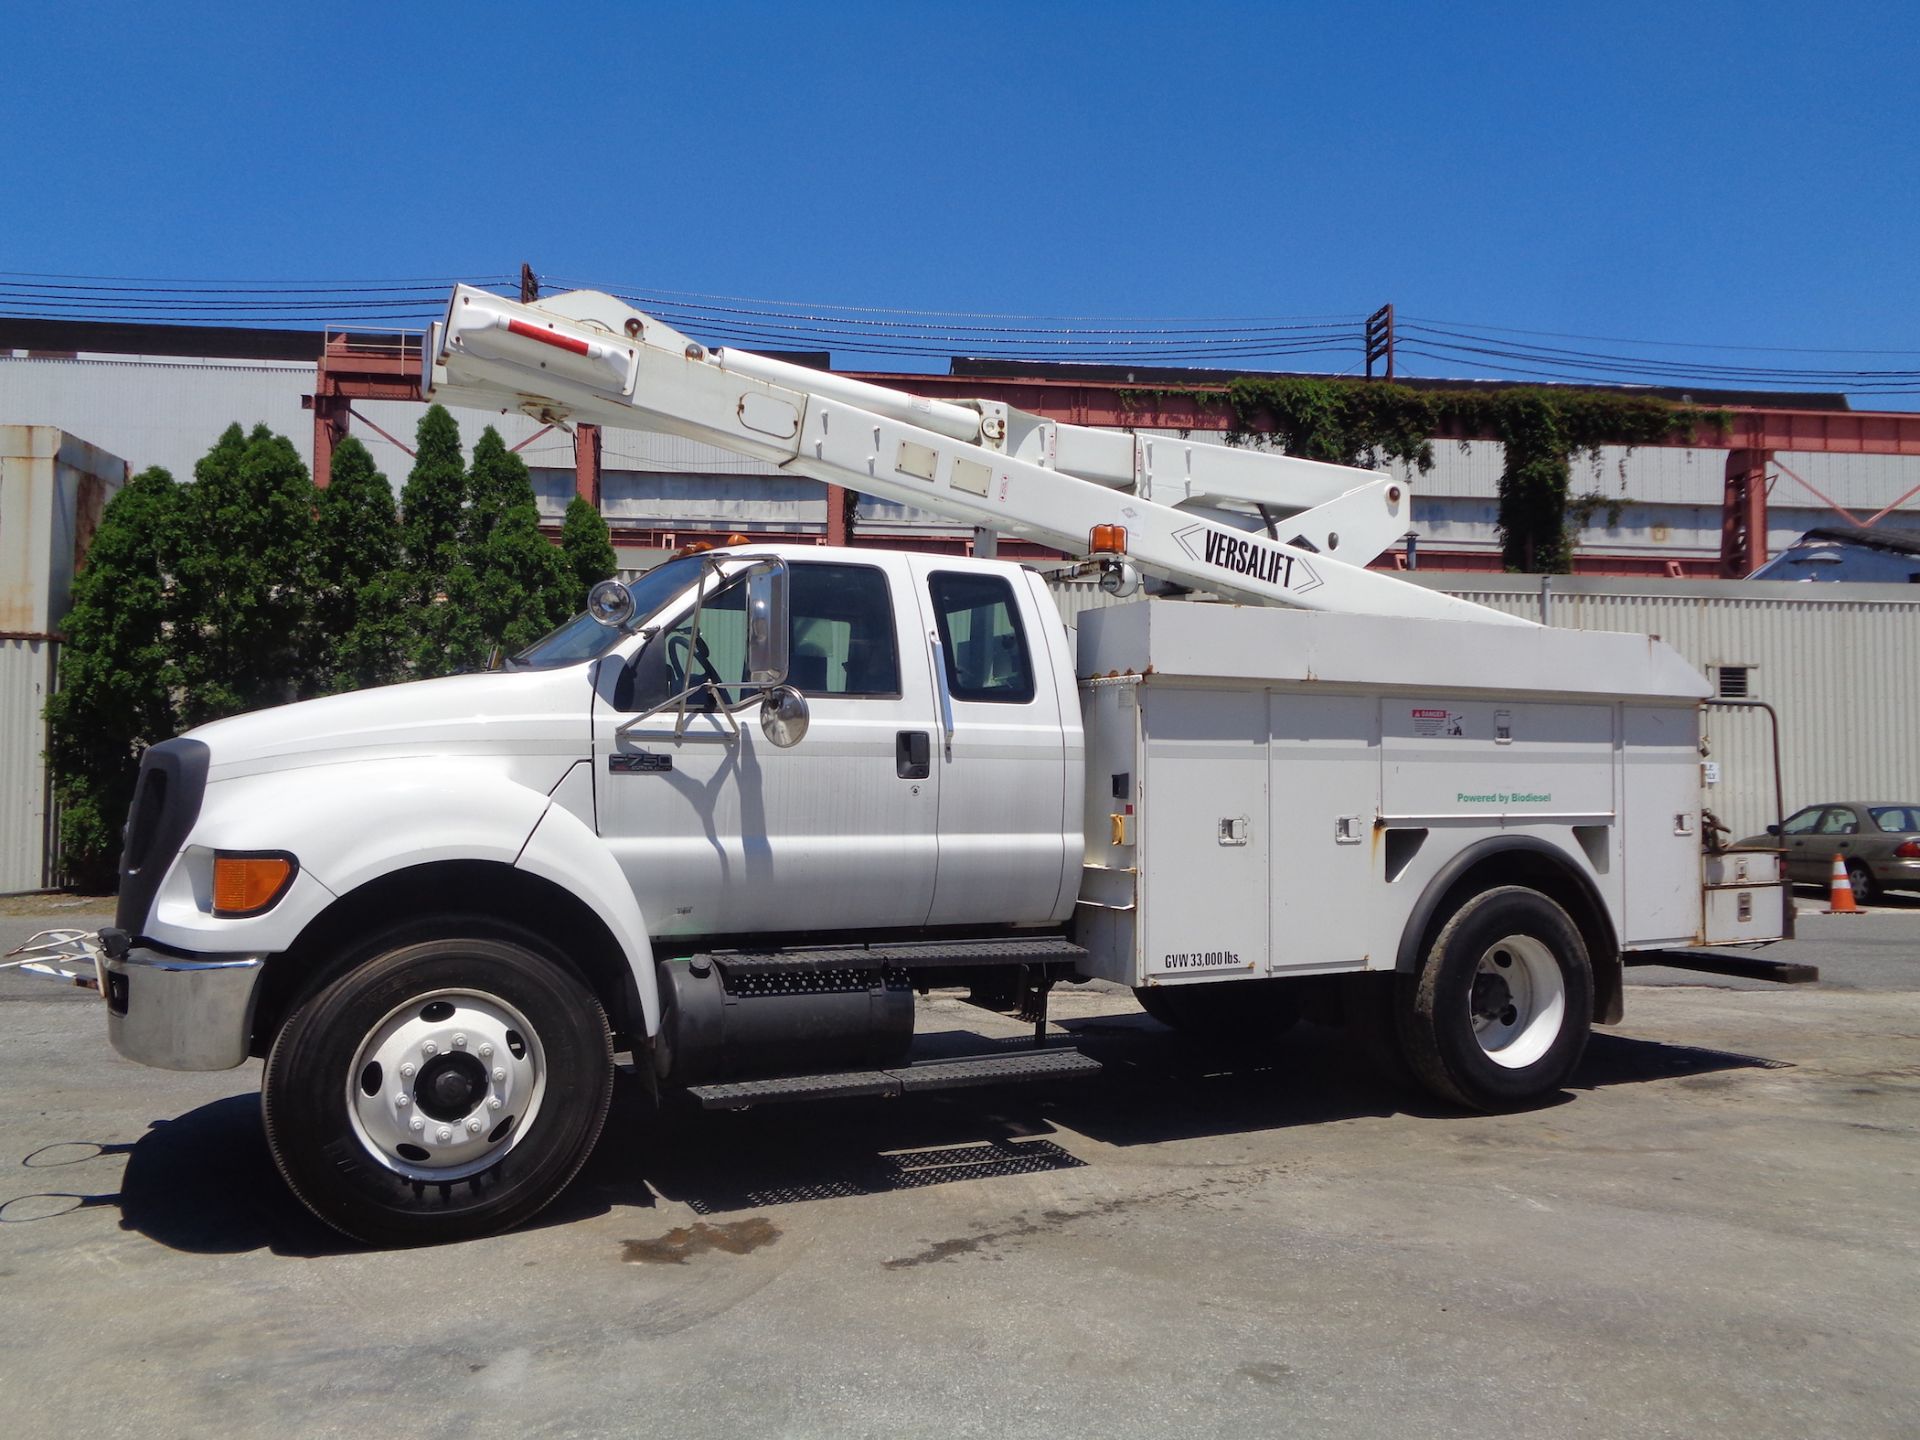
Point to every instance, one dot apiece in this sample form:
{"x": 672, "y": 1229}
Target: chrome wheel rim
{"x": 446, "y": 1084}
{"x": 1517, "y": 1002}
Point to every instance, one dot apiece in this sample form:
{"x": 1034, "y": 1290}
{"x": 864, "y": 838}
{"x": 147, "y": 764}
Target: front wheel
{"x": 1500, "y": 1012}
{"x": 1861, "y": 879}
{"x": 445, "y": 1089}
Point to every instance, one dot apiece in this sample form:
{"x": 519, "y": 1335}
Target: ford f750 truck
{"x": 735, "y": 816}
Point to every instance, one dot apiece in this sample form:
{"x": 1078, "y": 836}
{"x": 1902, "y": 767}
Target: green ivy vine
{"x": 1369, "y": 423}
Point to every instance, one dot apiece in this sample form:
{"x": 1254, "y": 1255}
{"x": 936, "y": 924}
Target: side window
{"x": 841, "y": 640}
{"x": 673, "y": 660}
{"x": 980, "y": 632}
{"x": 1803, "y": 823}
{"x": 1838, "y": 821}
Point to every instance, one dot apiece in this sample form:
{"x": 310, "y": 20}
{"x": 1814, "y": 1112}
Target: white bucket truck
{"x": 734, "y": 817}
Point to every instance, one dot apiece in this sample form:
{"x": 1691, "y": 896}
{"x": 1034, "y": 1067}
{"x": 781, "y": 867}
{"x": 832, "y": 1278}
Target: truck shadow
{"x": 205, "y": 1183}
{"x": 1157, "y": 1087}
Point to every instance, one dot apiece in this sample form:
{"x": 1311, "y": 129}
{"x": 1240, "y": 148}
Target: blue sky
{"x": 1731, "y": 175}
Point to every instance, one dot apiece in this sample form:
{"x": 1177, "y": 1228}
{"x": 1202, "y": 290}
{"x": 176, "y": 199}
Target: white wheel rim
{"x": 1518, "y": 1001}
{"x": 446, "y": 1084}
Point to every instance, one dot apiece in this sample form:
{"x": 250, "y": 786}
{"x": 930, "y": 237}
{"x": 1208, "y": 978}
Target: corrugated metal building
{"x": 52, "y": 490}
{"x": 157, "y": 410}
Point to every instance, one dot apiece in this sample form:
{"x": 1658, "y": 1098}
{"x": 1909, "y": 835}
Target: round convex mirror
{"x": 610, "y": 603}
{"x": 784, "y": 716}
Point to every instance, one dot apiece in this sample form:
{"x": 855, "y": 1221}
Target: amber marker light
{"x": 1107, "y": 540}
{"x": 249, "y": 882}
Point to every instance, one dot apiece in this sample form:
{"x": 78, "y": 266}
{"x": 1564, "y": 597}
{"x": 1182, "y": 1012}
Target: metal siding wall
{"x": 156, "y": 412}
{"x": 1842, "y": 670}
{"x": 26, "y": 673}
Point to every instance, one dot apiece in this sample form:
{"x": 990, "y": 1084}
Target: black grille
{"x": 166, "y": 802}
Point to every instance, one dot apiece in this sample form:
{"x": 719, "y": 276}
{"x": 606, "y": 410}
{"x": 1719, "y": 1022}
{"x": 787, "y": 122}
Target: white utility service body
{"x": 1376, "y": 801}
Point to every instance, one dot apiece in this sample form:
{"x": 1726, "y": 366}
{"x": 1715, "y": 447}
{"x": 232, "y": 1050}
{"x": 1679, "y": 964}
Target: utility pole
{"x": 529, "y": 284}
{"x": 1380, "y": 339}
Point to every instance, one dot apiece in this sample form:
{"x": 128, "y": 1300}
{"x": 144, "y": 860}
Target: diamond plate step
{"x": 902, "y": 1080}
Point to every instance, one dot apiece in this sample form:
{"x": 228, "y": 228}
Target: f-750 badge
{"x": 1246, "y": 555}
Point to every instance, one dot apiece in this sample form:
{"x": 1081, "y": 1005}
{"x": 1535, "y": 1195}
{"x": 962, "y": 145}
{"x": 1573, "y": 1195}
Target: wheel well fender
{"x": 1521, "y": 860}
{"x": 565, "y": 852}
{"x": 549, "y": 914}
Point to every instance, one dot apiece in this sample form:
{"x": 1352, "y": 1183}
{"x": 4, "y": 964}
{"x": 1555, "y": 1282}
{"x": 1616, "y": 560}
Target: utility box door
{"x": 1204, "y": 844}
{"x": 1661, "y": 763}
{"x": 1326, "y": 793}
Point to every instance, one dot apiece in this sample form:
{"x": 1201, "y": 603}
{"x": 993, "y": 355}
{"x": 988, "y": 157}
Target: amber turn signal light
{"x": 247, "y": 884}
{"x": 1107, "y": 540}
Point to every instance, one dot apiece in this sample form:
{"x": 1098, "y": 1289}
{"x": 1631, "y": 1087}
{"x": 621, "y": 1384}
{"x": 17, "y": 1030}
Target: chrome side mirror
{"x": 767, "y": 623}
{"x": 784, "y": 716}
{"x": 610, "y": 603}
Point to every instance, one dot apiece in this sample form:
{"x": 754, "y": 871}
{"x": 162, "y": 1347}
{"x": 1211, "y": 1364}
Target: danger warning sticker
{"x": 1446, "y": 723}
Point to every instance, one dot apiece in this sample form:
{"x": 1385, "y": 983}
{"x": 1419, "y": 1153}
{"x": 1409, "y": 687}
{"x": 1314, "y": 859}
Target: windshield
{"x": 583, "y": 637}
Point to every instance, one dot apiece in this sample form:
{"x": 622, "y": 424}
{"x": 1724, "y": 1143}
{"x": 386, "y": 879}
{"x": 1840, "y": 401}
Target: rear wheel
{"x": 1500, "y": 1012}
{"x": 445, "y": 1089}
{"x": 1861, "y": 879}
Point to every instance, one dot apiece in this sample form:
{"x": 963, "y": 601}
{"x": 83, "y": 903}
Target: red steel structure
{"x": 389, "y": 369}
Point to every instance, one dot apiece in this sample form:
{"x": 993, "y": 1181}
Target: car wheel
{"x": 1500, "y": 1011}
{"x": 1861, "y": 879}
{"x": 445, "y": 1089}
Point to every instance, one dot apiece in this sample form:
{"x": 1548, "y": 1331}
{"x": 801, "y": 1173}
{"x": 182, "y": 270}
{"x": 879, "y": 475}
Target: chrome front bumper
{"x": 177, "y": 1013}
{"x": 174, "y": 1012}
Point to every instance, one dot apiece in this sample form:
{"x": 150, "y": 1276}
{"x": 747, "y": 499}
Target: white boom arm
{"x": 588, "y": 357}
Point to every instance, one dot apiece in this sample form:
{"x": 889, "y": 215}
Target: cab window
{"x": 840, "y": 642}
{"x": 985, "y": 648}
{"x": 674, "y": 659}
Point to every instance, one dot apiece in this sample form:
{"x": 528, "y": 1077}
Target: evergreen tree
{"x": 357, "y": 610}
{"x": 520, "y": 584}
{"x": 588, "y": 549}
{"x": 243, "y": 578}
{"x": 440, "y": 635}
{"x": 433, "y": 503}
{"x": 116, "y": 679}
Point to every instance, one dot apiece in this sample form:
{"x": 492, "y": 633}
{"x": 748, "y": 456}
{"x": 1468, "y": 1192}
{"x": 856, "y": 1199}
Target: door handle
{"x": 913, "y": 754}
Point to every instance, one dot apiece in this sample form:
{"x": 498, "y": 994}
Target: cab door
{"x": 721, "y": 832}
{"x": 1004, "y": 802}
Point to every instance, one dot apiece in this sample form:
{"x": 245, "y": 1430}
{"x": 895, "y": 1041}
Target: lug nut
{"x": 403, "y": 1100}
{"x": 473, "y": 1127}
{"x": 486, "y": 1052}
{"x": 445, "y": 1134}
{"x": 406, "y": 1070}
{"x": 429, "y": 1048}
{"x": 459, "y": 1042}
{"x": 499, "y": 1074}
{"x": 418, "y": 1124}
{"x": 493, "y": 1102}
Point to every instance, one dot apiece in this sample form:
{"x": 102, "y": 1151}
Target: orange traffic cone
{"x": 1840, "y": 899}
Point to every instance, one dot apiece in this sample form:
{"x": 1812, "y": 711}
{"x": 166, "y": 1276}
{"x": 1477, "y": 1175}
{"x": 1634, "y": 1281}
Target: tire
{"x": 447, "y": 1088}
{"x": 1500, "y": 1011}
{"x": 1865, "y": 891}
{"x": 1235, "y": 1012}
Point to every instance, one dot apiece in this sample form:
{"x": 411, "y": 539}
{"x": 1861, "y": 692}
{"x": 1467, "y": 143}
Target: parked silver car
{"x": 1878, "y": 840}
